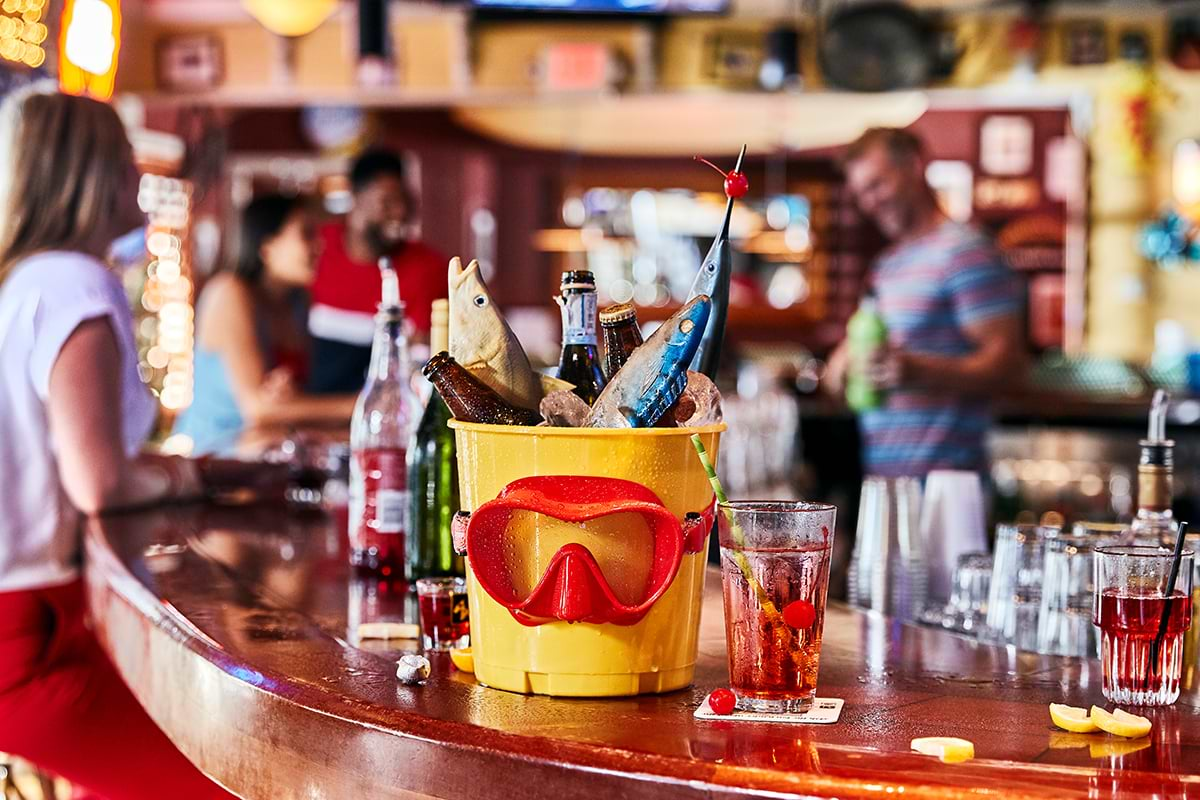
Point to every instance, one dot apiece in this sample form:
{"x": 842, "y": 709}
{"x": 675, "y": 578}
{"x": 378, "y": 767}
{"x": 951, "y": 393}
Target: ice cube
{"x": 700, "y": 403}
{"x": 564, "y": 409}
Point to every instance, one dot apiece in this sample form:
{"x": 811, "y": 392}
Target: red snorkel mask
{"x": 620, "y": 548}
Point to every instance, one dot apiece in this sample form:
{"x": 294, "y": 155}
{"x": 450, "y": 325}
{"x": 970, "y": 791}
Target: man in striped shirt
{"x": 952, "y": 309}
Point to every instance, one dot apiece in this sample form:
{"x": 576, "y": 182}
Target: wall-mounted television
{"x": 605, "y": 6}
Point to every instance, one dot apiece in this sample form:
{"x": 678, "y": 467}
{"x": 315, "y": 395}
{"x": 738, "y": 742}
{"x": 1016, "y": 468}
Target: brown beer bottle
{"x": 621, "y": 336}
{"x": 470, "y": 399}
{"x": 579, "y": 363}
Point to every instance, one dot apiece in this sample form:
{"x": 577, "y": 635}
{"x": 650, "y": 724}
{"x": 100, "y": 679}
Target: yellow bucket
{"x": 583, "y": 659}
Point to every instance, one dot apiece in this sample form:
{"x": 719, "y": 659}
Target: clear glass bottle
{"x": 380, "y": 432}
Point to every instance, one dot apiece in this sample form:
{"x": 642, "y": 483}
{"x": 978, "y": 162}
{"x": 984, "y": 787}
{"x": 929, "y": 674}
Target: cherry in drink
{"x": 775, "y": 567}
{"x": 1139, "y": 666}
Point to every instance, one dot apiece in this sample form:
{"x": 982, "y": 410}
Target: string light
{"x": 169, "y": 334}
{"x": 22, "y": 32}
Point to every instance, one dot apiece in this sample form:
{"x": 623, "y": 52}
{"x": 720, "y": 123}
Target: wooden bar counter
{"x": 232, "y": 627}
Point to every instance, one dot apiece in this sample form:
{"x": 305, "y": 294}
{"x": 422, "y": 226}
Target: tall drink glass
{"x": 1130, "y": 599}
{"x": 775, "y": 572}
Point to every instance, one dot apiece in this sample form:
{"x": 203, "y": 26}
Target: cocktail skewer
{"x": 735, "y": 531}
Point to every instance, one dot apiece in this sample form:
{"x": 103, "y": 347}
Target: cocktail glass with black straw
{"x": 1143, "y": 607}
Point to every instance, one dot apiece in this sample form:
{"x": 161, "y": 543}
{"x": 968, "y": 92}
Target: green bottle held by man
{"x": 866, "y": 334}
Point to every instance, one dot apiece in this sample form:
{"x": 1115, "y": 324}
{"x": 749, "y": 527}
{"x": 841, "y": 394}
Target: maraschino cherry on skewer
{"x": 736, "y": 183}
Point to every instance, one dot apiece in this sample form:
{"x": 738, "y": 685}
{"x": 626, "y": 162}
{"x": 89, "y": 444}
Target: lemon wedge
{"x": 1070, "y": 718}
{"x": 947, "y": 748}
{"x": 1120, "y": 723}
{"x": 463, "y": 659}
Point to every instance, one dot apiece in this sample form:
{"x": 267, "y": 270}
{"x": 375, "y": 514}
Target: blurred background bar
{"x": 540, "y": 136}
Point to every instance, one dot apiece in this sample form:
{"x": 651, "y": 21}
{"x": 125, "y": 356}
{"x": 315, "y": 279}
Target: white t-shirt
{"x": 43, "y": 300}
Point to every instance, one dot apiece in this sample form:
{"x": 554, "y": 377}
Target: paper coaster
{"x": 823, "y": 711}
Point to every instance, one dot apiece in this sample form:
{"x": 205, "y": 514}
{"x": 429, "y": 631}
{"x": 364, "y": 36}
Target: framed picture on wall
{"x": 190, "y": 63}
{"x": 1006, "y": 144}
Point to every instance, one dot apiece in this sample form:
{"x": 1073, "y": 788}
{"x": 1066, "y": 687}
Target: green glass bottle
{"x": 865, "y": 333}
{"x": 433, "y": 478}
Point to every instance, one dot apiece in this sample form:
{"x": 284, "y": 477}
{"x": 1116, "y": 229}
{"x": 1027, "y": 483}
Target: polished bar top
{"x": 234, "y": 626}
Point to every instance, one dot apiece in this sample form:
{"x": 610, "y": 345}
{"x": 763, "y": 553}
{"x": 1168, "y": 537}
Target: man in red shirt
{"x": 349, "y": 285}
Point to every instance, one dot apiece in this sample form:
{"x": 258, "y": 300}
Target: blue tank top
{"x": 213, "y": 420}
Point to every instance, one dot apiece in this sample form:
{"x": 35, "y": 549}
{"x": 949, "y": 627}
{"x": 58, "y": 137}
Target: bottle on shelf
{"x": 433, "y": 476}
{"x": 1156, "y": 479}
{"x": 579, "y": 362}
{"x": 470, "y": 399}
{"x": 380, "y": 432}
{"x": 865, "y": 333}
{"x": 621, "y": 336}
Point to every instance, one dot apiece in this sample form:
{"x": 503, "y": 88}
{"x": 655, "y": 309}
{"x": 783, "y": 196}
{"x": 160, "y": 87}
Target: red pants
{"x": 63, "y": 706}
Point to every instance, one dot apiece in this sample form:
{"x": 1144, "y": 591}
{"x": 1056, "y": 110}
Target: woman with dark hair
{"x": 246, "y": 327}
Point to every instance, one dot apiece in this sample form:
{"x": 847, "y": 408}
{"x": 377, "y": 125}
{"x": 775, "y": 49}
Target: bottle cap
{"x": 578, "y": 279}
{"x": 618, "y": 313}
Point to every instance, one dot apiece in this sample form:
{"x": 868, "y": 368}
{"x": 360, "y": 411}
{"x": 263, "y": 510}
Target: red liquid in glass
{"x": 1128, "y": 626}
{"x": 768, "y": 659}
{"x": 379, "y": 512}
{"x": 445, "y": 620}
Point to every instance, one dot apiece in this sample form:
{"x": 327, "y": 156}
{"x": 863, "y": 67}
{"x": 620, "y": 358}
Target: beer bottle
{"x": 470, "y": 399}
{"x": 433, "y": 477}
{"x": 579, "y": 363}
{"x": 380, "y": 431}
{"x": 621, "y": 336}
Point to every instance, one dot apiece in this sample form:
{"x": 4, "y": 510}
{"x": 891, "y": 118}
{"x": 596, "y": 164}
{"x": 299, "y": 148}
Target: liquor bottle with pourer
{"x": 579, "y": 363}
{"x": 470, "y": 399}
{"x": 1155, "y": 520}
{"x": 380, "y": 432}
{"x": 433, "y": 477}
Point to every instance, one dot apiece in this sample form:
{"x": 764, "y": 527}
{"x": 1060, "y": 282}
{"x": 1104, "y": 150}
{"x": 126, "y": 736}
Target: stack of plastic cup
{"x": 887, "y": 571}
{"x": 952, "y": 524}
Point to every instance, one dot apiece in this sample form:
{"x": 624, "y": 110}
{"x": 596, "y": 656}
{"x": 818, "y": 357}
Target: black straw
{"x": 1166, "y": 612}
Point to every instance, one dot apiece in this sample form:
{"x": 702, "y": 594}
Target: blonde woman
{"x": 72, "y": 417}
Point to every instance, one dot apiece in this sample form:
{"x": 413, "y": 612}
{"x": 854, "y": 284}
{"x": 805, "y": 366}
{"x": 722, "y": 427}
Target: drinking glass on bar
{"x": 442, "y": 605}
{"x": 1130, "y": 601}
{"x": 1065, "y": 621}
{"x": 1015, "y": 594}
{"x": 967, "y": 608}
{"x": 775, "y": 572}
{"x": 1191, "y": 641}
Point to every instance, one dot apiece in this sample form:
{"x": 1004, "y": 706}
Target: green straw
{"x": 735, "y": 531}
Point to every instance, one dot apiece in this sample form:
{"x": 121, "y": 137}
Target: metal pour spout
{"x": 1157, "y": 429}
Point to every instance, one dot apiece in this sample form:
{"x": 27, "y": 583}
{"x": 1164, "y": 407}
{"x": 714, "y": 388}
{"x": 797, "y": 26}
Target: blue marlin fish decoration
{"x": 656, "y": 373}
{"x": 713, "y": 281}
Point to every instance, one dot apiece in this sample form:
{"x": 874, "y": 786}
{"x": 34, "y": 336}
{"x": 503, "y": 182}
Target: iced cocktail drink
{"x": 1142, "y": 626}
{"x": 775, "y": 572}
